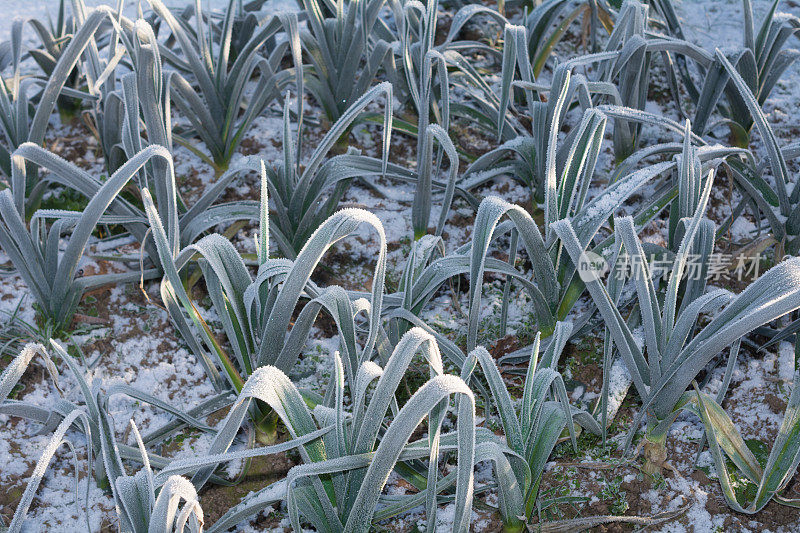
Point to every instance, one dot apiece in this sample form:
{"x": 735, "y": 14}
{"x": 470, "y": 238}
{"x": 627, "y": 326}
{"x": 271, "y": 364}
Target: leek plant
{"x": 416, "y": 29}
{"x": 774, "y": 199}
{"x": 344, "y": 51}
{"x": 554, "y": 288}
{"x": 50, "y": 274}
{"x": 633, "y": 67}
{"x": 528, "y": 47}
{"x": 787, "y": 203}
{"x": 533, "y": 430}
{"x": 15, "y": 108}
{"x": 97, "y": 428}
{"x": 760, "y": 62}
{"x": 360, "y": 478}
{"x": 256, "y": 313}
{"x": 340, "y": 486}
{"x": 147, "y": 500}
{"x": 427, "y": 134}
{"x": 677, "y": 348}
{"x": 421, "y": 209}
{"x": 725, "y": 441}
{"x": 420, "y": 61}
{"x": 347, "y": 455}
{"x": 548, "y": 22}
{"x": 304, "y": 200}
{"x": 19, "y": 127}
{"x": 54, "y": 37}
{"x": 527, "y": 157}
{"x": 222, "y": 106}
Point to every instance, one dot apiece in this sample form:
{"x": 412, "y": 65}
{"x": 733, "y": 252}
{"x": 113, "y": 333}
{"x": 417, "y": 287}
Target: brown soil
{"x": 217, "y": 499}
